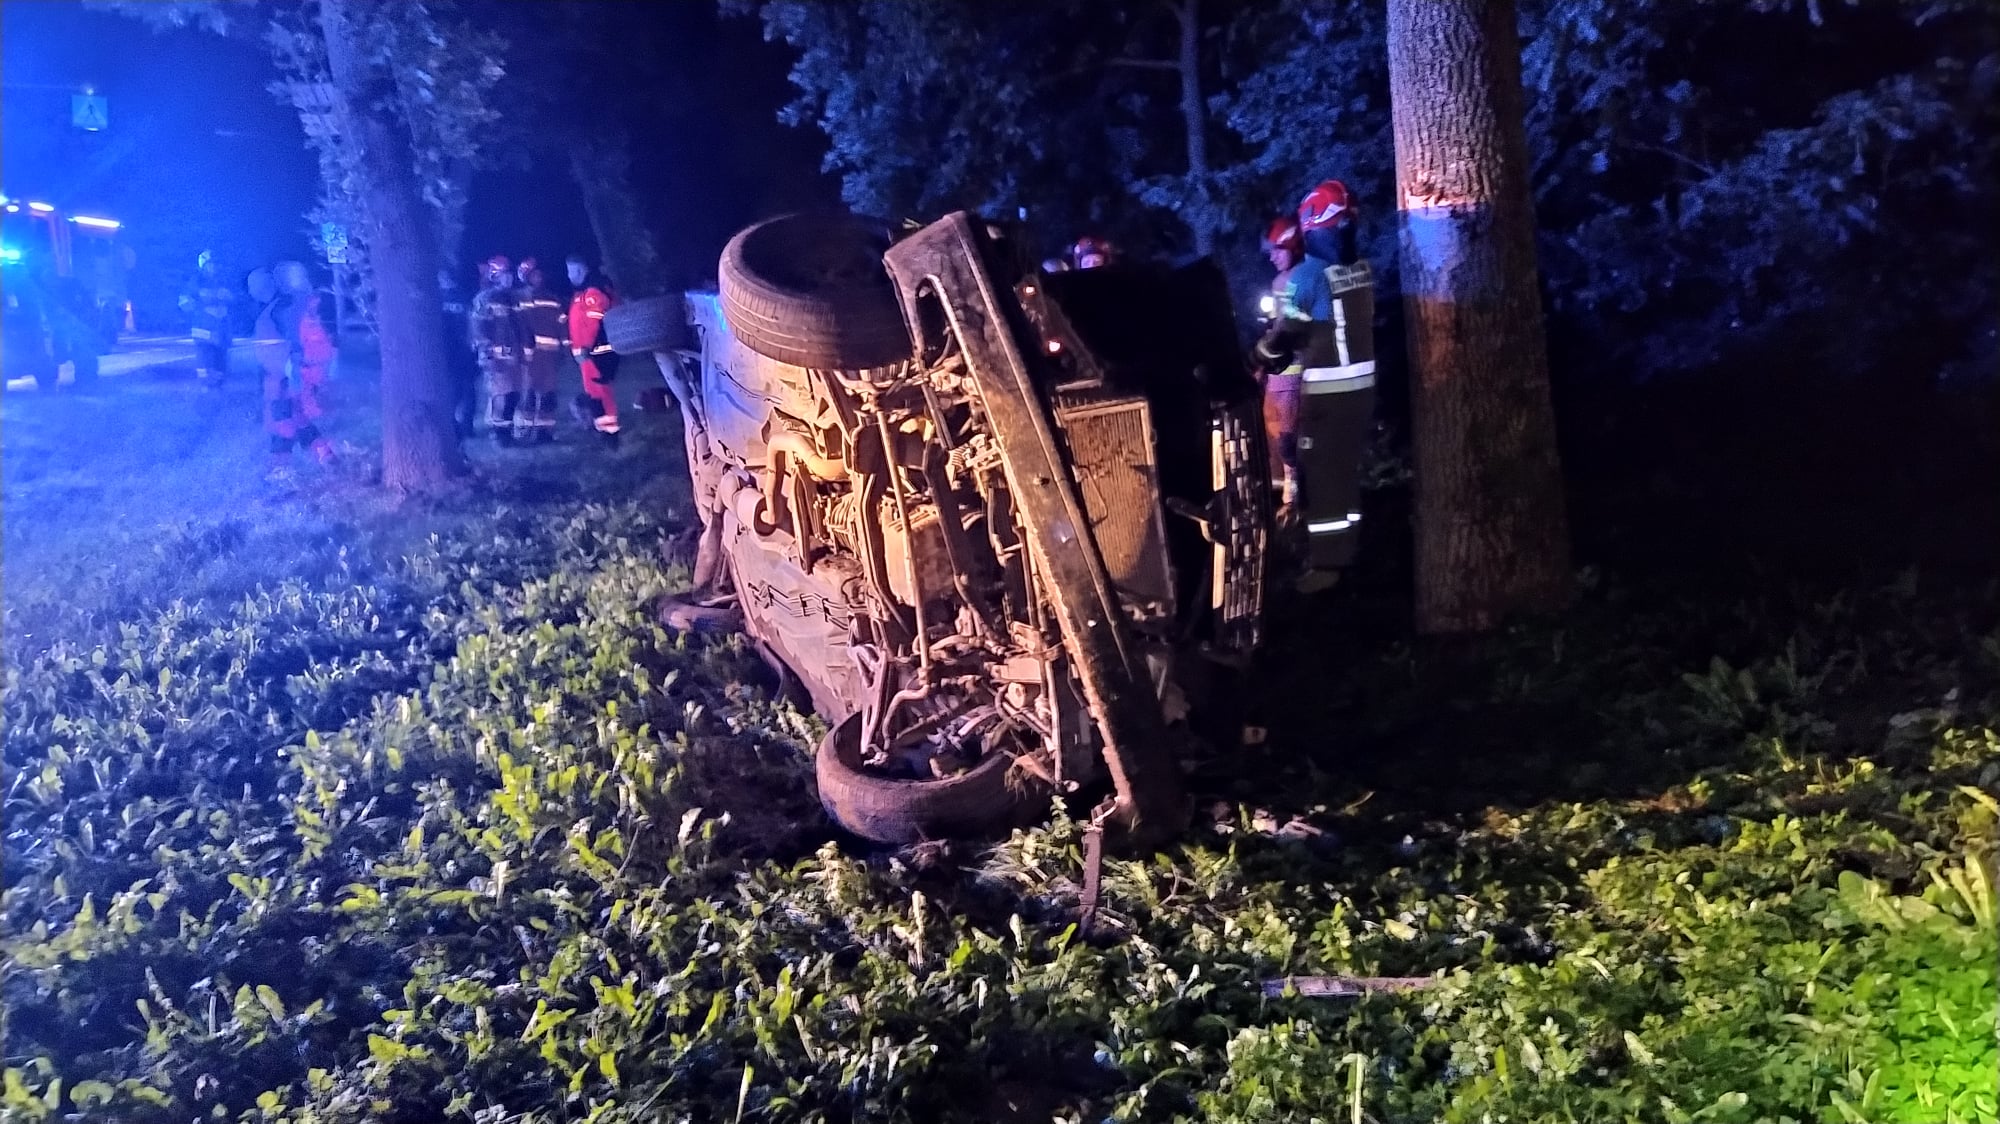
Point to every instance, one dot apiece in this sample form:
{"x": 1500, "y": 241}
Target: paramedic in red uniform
{"x": 594, "y": 357}
{"x": 296, "y": 349}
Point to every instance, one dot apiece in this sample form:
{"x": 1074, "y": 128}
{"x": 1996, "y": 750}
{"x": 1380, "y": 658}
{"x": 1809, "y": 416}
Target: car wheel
{"x": 810, "y": 290}
{"x": 647, "y": 325}
{"x": 897, "y": 810}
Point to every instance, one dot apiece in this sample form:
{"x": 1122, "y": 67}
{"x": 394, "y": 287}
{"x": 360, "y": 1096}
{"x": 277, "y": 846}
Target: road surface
{"x": 140, "y": 353}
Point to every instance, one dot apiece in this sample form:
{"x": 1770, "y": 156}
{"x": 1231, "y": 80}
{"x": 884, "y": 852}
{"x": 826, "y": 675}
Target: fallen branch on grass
{"x": 1342, "y": 987}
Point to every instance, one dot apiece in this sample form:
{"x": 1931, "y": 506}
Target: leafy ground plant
{"x": 439, "y": 824}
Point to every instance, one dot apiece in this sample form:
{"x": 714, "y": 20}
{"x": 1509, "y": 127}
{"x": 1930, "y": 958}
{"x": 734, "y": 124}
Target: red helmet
{"x": 1090, "y": 246}
{"x": 1325, "y": 206}
{"x": 1285, "y": 235}
{"x": 498, "y": 266}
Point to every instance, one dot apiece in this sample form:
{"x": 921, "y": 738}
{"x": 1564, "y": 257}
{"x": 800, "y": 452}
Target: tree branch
{"x": 1144, "y": 64}
{"x": 1690, "y": 161}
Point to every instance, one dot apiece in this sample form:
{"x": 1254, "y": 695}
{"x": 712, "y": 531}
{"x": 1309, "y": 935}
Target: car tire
{"x": 647, "y": 325}
{"x": 811, "y": 291}
{"x": 898, "y": 811}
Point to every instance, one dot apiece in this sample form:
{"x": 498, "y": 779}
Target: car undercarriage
{"x": 988, "y": 544}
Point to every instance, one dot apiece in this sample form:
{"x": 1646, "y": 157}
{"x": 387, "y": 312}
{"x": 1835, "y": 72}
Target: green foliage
{"x": 447, "y": 828}
{"x": 1810, "y": 179}
{"x": 444, "y": 73}
{"x": 1065, "y": 109}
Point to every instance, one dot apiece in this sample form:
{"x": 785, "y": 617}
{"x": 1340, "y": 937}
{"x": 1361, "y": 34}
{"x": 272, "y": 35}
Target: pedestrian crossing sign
{"x": 89, "y": 112}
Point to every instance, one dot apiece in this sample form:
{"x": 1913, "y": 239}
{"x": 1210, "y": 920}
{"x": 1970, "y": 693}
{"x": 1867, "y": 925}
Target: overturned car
{"x": 996, "y": 523}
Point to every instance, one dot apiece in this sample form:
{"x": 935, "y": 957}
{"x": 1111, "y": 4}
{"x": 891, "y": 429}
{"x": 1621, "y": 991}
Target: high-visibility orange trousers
{"x": 599, "y": 391}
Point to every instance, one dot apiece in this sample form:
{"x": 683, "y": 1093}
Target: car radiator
{"x": 1111, "y": 451}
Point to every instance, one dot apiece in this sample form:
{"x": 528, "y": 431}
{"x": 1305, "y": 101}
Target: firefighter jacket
{"x": 1326, "y": 313}
{"x": 494, "y": 324}
{"x": 1330, "y": 312}
{"x": 541, "y": 320}
{"x": 206, "y": 300}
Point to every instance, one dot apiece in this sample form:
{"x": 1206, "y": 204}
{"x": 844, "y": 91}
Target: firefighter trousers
{"x": 506, "y": 378}
{"x": 211, "y": 351}
{"x": 535, "y": 417}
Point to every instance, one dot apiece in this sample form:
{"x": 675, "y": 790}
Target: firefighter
{"x": 26, "y": 345}
{"x": 206, "y": 300}
{"x": 594, "y": 357}
{"x": 1326, "y": 328}
{"x": 1284, "y": 245}
{"x": 463, "y": 365}
{"x": 495, "y": 325}
{"x": 295, "y": 350}
{"x": 1091, "y": 252}
{"x": 542, "y": 344}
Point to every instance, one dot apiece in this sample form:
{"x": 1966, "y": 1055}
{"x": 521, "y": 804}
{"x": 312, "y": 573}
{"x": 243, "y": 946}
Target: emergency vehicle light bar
{"x": 92, "y": 220}
{"x": 44, "y": 208}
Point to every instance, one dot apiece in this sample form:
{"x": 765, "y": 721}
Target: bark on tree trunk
{"x": 420, "y": 449}
{"x": 1194, "y": 117}
{"x": 602, "y": 170}
{"x": 1492, "y": 536}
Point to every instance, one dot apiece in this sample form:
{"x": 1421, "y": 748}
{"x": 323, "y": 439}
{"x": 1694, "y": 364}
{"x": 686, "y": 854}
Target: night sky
{"x": 200, "y": 154}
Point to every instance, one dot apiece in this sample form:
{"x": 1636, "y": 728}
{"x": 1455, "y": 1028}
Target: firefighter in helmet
{"x": 541, "y": 318}
{"x": 593, "y": 297}
{"x": 206, "y": 300}
{"x": 1091, "y": 252}
{"x": 1325, "y": 328}
{"x": 1284, "y": 245}
{"x": 495, "y": 327}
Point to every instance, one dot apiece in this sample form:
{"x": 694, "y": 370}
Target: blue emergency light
{"x": 9, "y": 255}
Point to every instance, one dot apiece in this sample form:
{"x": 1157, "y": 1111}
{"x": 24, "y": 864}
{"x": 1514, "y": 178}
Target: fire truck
{"x": 65, "y": 279}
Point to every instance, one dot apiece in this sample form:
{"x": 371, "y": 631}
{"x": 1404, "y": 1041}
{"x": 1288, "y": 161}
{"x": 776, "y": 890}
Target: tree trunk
{"x": 1492, "y": 537}
{"x": 420, "y": 447}
{"x": 603, "y": 173}
{"x": 1194, "y": 117}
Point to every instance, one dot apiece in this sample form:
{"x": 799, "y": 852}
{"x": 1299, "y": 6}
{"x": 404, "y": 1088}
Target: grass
{"x": 323, "y": 809}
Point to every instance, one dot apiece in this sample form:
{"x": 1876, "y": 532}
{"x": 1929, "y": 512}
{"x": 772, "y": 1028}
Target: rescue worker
{"x": 295, "y": 368}
{"x": 74, "y": 335}
{"x": 541, "y": 318}
{"x": 594, "y": 357}
{"x": 462, "y": 364}
{"x": 26, "y": 344}
{"x": 497, "y": 340}
{"x": 1325, "y": 328}
{"x": 206, "y": 300}
{"x": 1285, "y": 247}
{"x": 1091, "y": 252}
